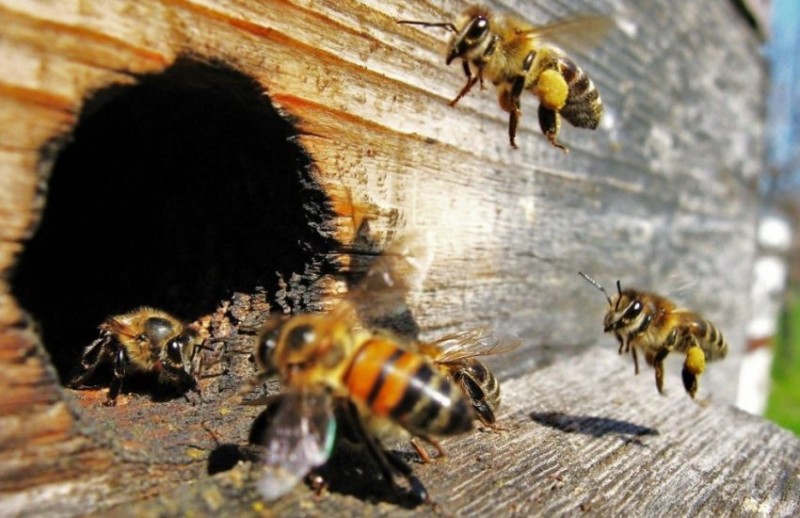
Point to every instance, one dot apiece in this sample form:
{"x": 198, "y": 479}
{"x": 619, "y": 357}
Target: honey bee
{"x": 327, "y": 358}
{"x": 455, "y": 354}
{"x": 658, "y": 327}
{"x": 516, "y": 56}
{"x": 145, "y": 340}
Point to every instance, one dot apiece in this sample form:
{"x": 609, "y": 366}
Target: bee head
{"x": 297, "y": 346}
{"x": 266, "y": 345}
{"x": 472, "y": 35}
{"x": 623, "y": 311}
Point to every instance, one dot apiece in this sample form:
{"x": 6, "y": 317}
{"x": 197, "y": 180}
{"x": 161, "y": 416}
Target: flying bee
{"x": 145, "y": 340}
{"x": 658, "y": 327}
{"x": 456, "y": 355}
{"x": 326, "y": 359}
{"x": 516, "y": 56}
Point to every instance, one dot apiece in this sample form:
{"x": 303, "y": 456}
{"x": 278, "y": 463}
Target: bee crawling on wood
{"x": 658, "y": 327}
{"x": 388, "y": 387}
{"x": 456, "y": 355}
{"x": 145, "y": 340}
{"x": 516, "y": 56}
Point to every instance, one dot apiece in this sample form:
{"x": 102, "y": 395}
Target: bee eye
{"x": 174, "y": 351}
{"x": 477, "y": 28}
{"x": 300, "y": 336}
{"x": 633, "y": 310}
{"x": 265, "y": 348}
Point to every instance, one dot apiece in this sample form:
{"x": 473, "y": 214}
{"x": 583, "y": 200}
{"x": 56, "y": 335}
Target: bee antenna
{"x": 619, "y": 290}
{"x": 445, "y": 25}
{"x": 597, "y": 285}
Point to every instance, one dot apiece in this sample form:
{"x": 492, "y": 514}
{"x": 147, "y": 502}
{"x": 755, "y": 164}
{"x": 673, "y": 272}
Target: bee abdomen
{"x": 714, "y": 344}
{"x": 584, "y": 108}
{"x": 401, "y": 385}
{"x": 707, "y": 336}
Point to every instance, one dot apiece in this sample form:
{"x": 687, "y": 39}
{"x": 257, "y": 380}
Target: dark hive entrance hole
{"x": 173, "y": 193}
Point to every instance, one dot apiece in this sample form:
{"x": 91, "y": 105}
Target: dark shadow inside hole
{"x": 173, "y": 193}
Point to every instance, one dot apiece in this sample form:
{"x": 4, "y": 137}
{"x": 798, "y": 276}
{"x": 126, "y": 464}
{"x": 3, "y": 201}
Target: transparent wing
{"x": 479, "y": 341}
{"x": 299, "y": 438}
{"x": 394, "y": 273}
{"x": 580, "y": 33}
{"x": 679, "y": 285}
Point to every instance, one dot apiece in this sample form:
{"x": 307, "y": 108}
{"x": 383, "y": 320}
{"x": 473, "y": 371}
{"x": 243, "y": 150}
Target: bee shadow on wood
{"x": 594, "y": 426}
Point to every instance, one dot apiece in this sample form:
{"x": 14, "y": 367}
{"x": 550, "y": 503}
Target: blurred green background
{"x": 783, "y": 406}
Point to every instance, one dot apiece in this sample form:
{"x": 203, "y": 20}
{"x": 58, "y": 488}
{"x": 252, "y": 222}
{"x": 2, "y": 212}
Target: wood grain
{"x": 571, "y": 447}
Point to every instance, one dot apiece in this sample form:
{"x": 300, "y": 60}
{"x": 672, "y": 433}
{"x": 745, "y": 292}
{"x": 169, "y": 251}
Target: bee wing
{"x": 581, "y": 33}
{"x": 680, "y": 286}
{"x": 400, "y": 269}
{"x": 479, "y": 341}
{"x": 299, "y": 438}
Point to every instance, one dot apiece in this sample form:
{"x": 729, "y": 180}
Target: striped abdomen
{"x": 707, "y": 336}
{"x": 401, "y": 385}
{"x": 583, "y": 108}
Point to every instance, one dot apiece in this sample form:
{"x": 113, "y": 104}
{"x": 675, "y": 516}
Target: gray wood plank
{"x": 583, "y": 436}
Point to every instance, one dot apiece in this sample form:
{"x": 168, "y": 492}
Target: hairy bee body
{"x": 516, "y": 57}
{"x": 145, "y": 340}
{"x": 656, "y": 326}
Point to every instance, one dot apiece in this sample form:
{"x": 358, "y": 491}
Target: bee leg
{"x": 470, "y": 83}
{"x": 120, "y": 370}
{"x": 550, "y": 122}
{"x": 477, "y": 397}
{"x": 658, "y": 365}
{"x": 421, "y": 451}
{"x": 693, "y": 367}
{"x": 635, "y": 360}
{"x": 317, "y": 482}
{"x": 93, "y": 355}
{"x": 486, "y": 415}
{"x": 193, "y": 387}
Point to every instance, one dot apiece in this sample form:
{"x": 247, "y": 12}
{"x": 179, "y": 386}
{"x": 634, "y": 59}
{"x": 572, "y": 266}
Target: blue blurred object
{"x": 783, "y": 111}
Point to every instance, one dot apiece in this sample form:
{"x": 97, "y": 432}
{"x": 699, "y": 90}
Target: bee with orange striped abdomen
{"x": 322, "y": 358}
{"x": 658, "y": 327}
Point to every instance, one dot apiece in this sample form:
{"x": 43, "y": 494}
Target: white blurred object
{"x": 754, "y": 380}
{"x": 766, "y": 296}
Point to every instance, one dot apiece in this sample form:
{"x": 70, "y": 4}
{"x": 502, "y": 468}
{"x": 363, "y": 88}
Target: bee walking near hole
{"x": 658, "y": 327}
{"x": 516, "y": 57}
{"x": 146, "y": 341}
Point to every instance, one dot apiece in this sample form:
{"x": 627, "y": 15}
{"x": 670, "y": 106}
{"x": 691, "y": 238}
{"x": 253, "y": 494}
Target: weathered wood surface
{"x": 583, "y": 437}
{"x": 665, "y": 187}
